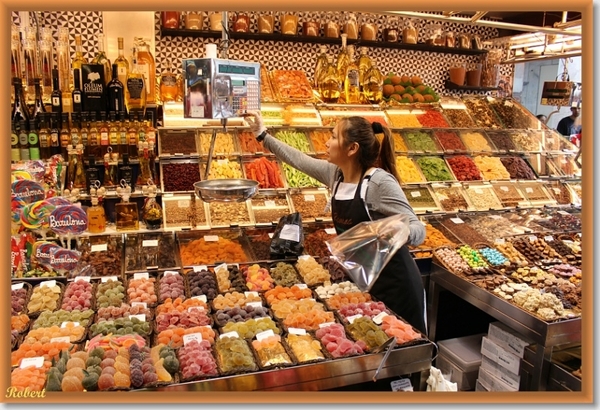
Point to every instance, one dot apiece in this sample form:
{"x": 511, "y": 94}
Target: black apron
{"x": 399, "y": 285}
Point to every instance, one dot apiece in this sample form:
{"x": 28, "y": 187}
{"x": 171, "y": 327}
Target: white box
{"x": 500, "y": 372}
{"x": 501, "y": 356}
{"x": 508, "y": 338}
{"x": 465, "y": 380}
{"x": 491, "y": 382}
{"x": 480, "y": 387}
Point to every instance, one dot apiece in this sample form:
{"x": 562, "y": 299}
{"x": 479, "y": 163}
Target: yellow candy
{"x": 407, "y": 170}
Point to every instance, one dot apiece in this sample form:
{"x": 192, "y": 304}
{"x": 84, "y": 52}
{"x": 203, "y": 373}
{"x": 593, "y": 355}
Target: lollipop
{"x": 27, "y": 191}
{"x": 68, "y": 220}
{"x": 58, "y": 201}
{"x": 35, "y": 216}
{"x": 42, "y": 251}
{"x": 19, "y": 174}
{"x": 64, "y": 260}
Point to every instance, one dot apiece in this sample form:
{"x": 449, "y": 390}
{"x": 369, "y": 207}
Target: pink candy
{"x": 333, "y": 337}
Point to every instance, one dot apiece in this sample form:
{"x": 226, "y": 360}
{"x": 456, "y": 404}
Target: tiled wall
{"x": 431, "y": 67}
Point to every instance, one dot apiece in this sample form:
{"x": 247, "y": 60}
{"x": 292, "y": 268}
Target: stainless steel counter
{"x": 545, "y": 334}
{"x": 411, "y": 360}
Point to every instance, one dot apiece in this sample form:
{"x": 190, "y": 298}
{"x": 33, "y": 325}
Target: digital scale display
{"x": 236, "y": 69}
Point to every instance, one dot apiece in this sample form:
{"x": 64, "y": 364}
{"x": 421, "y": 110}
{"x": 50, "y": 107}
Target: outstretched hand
{"x": 255, "y": 121}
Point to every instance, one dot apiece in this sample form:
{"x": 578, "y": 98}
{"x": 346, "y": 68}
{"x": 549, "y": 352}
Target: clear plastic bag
{"x": 365, "y": 249}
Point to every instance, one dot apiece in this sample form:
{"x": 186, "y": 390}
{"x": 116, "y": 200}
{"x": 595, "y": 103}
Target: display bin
{"x": 269, "y": 206}
{"x": 318, "y": 138}
{"x": 449, "y": 140}
{"x": 420, "y": 141}
{"x": 518, "y": 168}
{"x": 103, "y": 253}
{"x": 483, "y": 196}
{"x": 464, "y": 168}
{"x": 462, "y": 230}
{"x": 222, "y": 168}
{"x": 315, "y": 237}
{"x": 452, "y": 197}
{"x": 213, "y": 247}
{"x": 298, "y": 114}
{"x": 482, "y": 113}
{"x": 536, "y": 193}
{"x": 183, "y": 212}
{"x": 399, "y": 144}
{"x": 225, "y": 144}
{"x": 177, "y": 142}
{"x": 249, "y": 145}
{"x": 150, "y": 251}
{"x": 294, "y": 137}
{"x": 509, "y": 195}
{"x": 298, "y": 179}
{"x": 502, "y": 141}
{"x": 493, "y": 226}
{"x": 513, "y": 115}
{"x": 527, "y": 141}
{"x": 272, "y": 114}
{"x": 476, "y": 141}
{"x": 408, "y": 171}
{"x": 460, "y": 358}
{"x": 229, "y": 214}
{"x": 456, "y": 113}
{"x": 403, "y": 117}
{"x": 179, "y": 175}
{"x": 421, "y": 198}
{"x": 540, "y": 165}
{"x": 561, "y": 192}
{"x": 266, "y": 171}
{"x": 565, "y": 165}
{"x": 431, "y": 117}
{"x": 266, "y": 89}
{"x": 312, "y": 204}
{"x": 435, "y": 168}
{"x": 291, "y": 86}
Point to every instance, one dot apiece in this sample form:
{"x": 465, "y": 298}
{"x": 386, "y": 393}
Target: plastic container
{"x": 461, "y": 358}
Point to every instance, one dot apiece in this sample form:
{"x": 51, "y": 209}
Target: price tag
{"x": 170, "y": 272}
{"x": 142, "y": 304}
{"x": 379, "y": 318}
{"x": 192, "y": 337}
{"x": 140, "y": 275}
{"x": 402, "y": 385}
{"x": 222, "y": 162}
{"x": 301, "y": 285}
{"x": 500, "y": 241}
{"x": 330, "y": 231}
{"x": 211, "y": 238}
{"x": 199, "y": 268}
{"x": 490, "y": 99}
{"x": 32, "y": 361}
{"x": 251, "y": 294}
{"x": 351, "y": 319}
{"x": 563, "y": 161}
{"x": 48, "y": 283}
{"x": 457, "y": 220}
{"x": 101, "y": 247}
{"x": 548, "y": 238}
{"x": 270, "y": 203}
{"x": 556, "y": 190}
{"x": 563, "y": 213}
{"x": 271, "y": 234}
{"x": 508, "y": 103}
{"x": 148, "y": 243}
{"x": 17, "y": 286}
{"x": 141, "y": 317}
{"x": 326, "y": 324}
{"x": 64, "y": 324}
{"x": 107, "y": 278}
{"x": 183, "y": 204}
{"x": 61, "y": 339}
{"x": 263, "y": 335}
{"x": 200, "y": 297}
{"x": 229, "y": 334}
{"x": 83, "y": 279}
{"x": 290, "y": 232}
{"x": 478, "y": 191}
{"x": 495, "y": 217}
{"x": 532, "y": 238}
{"x": 309, "y": 198}
{"x": 254, "y": 304}
{"x": 550, "y": 141}
{"x": 195, "y": 308}
{"x": 415, "y": 194}
{"x": 504, "y": 188}
{"x": 529, "y": 190}
{"x": 304, "y": 257}
{"x": 296, "y": 331}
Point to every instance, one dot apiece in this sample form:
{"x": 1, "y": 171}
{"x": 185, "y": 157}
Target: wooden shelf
{"x": 451, "y": 86}
{"x": 318, "y": 40}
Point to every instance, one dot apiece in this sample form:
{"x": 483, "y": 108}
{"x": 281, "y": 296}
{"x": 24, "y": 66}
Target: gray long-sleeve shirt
{"x": 384, "y": 196}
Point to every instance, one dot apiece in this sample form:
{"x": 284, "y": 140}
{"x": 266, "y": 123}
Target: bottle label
{"x": 75, "y": 140}
{"x": 133, "y": 138}
{"x": 93, "y": 139}
{"x": 104, "y": 138}
{"x": 84, "y": 138}
{"x": 114, "y": 138}
{"x": 23, "y": 138}
{"x": 34, "y": 153}
{"x": 77, "y": 98}
{"x": 32, "y": 138}
{"x": 123, "y": 138}
{"x": 353, "y": 78}
{"x": 135, "y": 86}
{"x": 44, "y": 143}
{"x": 64, "y": 140}
{"x": 121, "y": 71}
{"x": 15, "y": 155}
{"x": 14, "y": 139}
{"x": 54, "y": 139}
{"x": 55, "y": 101}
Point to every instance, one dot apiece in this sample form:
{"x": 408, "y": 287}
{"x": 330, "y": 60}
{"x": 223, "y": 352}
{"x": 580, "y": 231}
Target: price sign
{"x": 301, "y": 285}
{"x": 192, "y": 337}
{"x": 142, "y": 304}
{"x": 48, "y": 283}
{"x": 271, "y": 234}
{"x": 309, "y": 198}
{"x": 65, "y": 324}
{"x": 17, "y": 286}
{"x": 556, "y": 190}
{"x": 504, "y": 188}
{"x": 83, "y": 279}
{"x": 270, "y": 204}
{"x": 296, "y": 331}
{"x": 140, "y": 275}
{"x": 379, "y": 318}
{"x": 532, "y": 238}
{"x": 171, "y": 272}
{"x": 109, "y": 278}
{"x": 304, "y": 257}
{"x": 221, "y": 267}
{"x": 457, "y": 220}
{"x": 150, "y": 243}
{"x": 529, "y": 190}
{"x": 141, "y": 318}
{"x": 229, "y": 334}
{"x": 101, "y": 247}
{"x": 402, "y": 385}
{"x": 32, "y": 361}
{"x": 415, "y": 194}
{"x": 251, "y": 294}
{"x": 500, "y": 241}
{"x": 183, "y": 204}
{"x": 351, "y": 319}
{"x": 61, "y": 339}
{"x": 330, "y": 231}
{"x": 200, "y": 297}
{"x": 254, "y": 304}
{"x": 199, "y": 268}
{"x": 478, "y": 191}
{"x": 548, "y": 238}
{"x": 211, "y": 238}
{"x": 195, "y": 308}
{"x": 326, "y": 324}
{"x": 263, "y": 335}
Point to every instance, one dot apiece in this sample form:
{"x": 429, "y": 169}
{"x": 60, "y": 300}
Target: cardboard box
{"x": 480, "y": 387}
{"x": 500, "y": 355}
{"x": 508, "y": 338}
{"x": 491, "y": 382}
{"x": 501, "y": 373}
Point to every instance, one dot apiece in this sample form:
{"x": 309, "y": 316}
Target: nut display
{"x": 451, "y": 199}
{"x": 178, "y": 143}
{"x": 224, "y": 143}
{"x": 483, "y": 197}
{"x": 420, "y": 141}
{"x": 180, "y": 176}
{"x": 476, "y": 141}
{"x": 560, "y": 192}
{"x": 481, "y": 112}
{"x": 407, "y": 170}
{"x": 268, "y": 209}
{"x": 260, "y": 241}
{"x": 534, "y": 191}
{"x": 459, "y": 118}
{"x": 228, "y": 213}
{"x": 502, "y": 140}
{"x": 419, "y": 197}
{"x": 508, "y": 194}
{"x": 561, "y": 221}
{"x": 518, "y": 168}
{"x": 511, "y": 115}
{"x": 463, "y": 232}
{"x": 450, "y": 141}
{"x": 434, "y": 169}
{"x": 144, "y": 250}
{"x": 310, "y": 205}
{"x": 491, "y": 167}
{"x": 494, "y": 226}
{"x": 103, "y": 254}
{"x": 527, "y": 141}
{"x": 464, "y": 168}
{"x": 450, "y": 258}
{"x": 184, "y": 212}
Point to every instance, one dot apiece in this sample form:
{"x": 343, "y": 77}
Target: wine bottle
{"x": 77, "y": 94}
{"x": 44, "y": 136}
{"x": 15, "y": 154}
{"x": 351, "y": 80}
{"x": 56, "y": 96}
{"x": 116, "y": 92}
{"x": 38, "y": 105}
{"x": 19, "y": 110}
{"x": 34, "y": 141}
{"x": 54, "y": 134}
{"x": 126, "y": 172}
{"x": 65, "y": 135}
{"x": 23, "y": 141}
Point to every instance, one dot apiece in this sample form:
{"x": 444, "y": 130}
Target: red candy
{"x": 196, "y": 360}
{"x": 333, "y": 337}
